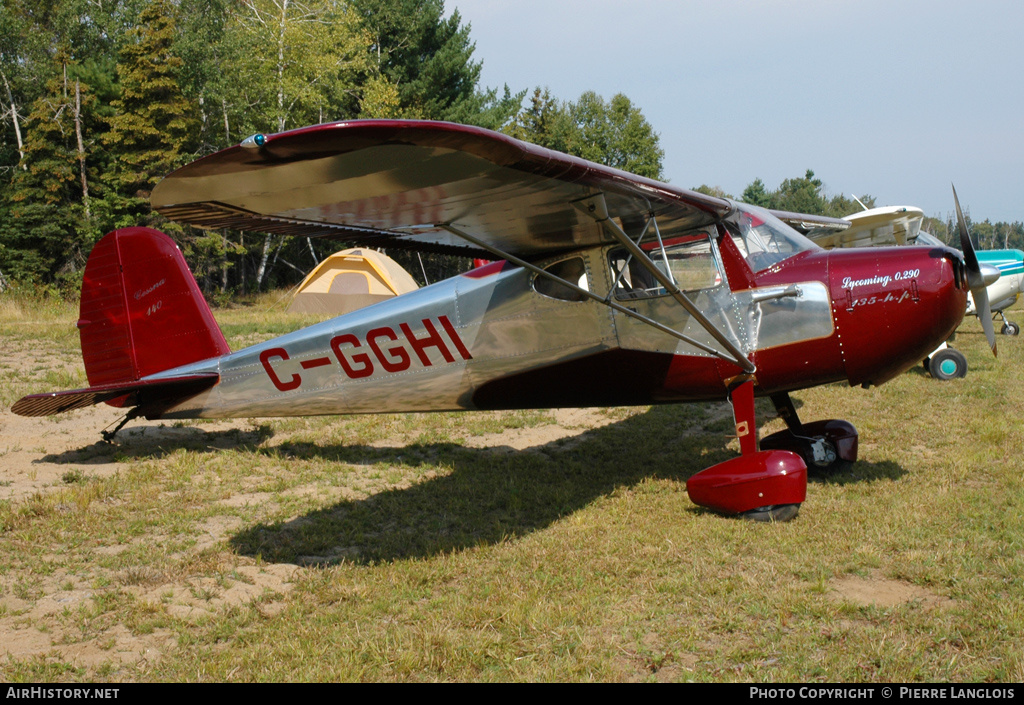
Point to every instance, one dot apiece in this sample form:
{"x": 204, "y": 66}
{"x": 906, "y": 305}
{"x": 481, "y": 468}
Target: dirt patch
{"x": 116, "y": 646}
{"x": 43, "y": 625}
{"x": 41, "y": 453}
{"x": 40, "y": 616}
{"x": 245, "y": 584}
{"x": 878, "y": 591}
{"x": 568, "y": 423}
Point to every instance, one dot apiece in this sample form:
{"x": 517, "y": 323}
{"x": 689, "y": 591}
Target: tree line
{"x": 99, "y": 99}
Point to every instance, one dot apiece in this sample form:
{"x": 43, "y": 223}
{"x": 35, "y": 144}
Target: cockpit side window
{"x": 687, "y": 259}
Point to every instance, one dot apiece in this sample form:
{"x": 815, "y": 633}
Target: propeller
{"x": 975, "y": 277}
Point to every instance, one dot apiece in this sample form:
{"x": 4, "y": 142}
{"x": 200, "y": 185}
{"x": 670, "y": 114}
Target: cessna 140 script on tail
{"x": 607, "y": 289}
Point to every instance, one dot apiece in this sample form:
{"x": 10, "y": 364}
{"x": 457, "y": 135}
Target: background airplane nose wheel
{"x": 1010, "y": 328}
{"x": 947, "y": 364}
{"x": 778, "y": 512}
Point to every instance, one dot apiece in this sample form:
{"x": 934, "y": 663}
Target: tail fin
{"x": 141, "y": 310}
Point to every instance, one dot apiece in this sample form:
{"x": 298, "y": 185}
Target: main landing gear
{"x": 823, "y": 445}
{"x": 770, "y": 484}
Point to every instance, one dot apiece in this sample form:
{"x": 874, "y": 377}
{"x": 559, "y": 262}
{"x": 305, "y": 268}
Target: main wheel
{"x": 820, "y": 455}
{"x": 947, "y": 364}
{"x": 1010, "y": 328}
{"x": 777, "y": 512}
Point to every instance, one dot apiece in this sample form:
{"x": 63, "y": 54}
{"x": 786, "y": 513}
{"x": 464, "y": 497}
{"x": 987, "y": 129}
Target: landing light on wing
{"x": 254, "y": 141}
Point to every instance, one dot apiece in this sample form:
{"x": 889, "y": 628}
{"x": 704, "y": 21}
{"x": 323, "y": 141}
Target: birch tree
{"x": 50, "y": 227}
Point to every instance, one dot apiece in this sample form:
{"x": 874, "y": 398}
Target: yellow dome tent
{"x": 349, "y": 280}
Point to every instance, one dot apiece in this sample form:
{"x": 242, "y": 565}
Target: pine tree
{"x": 429, "y": 59}
{"x": 153, "y": 130}
{"x": 614, "y": 133}
{"x": 801, "y": 195}
{"x": 544, "y": 122}
{"x": 756, "y": 194}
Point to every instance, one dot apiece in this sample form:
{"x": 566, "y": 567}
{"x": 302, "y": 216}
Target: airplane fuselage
{"x": 495, "y": 338}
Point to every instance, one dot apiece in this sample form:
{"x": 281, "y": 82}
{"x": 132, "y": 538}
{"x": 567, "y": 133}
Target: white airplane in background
{"x": 1002, "y": 293}
{"x": 874, "y": 227}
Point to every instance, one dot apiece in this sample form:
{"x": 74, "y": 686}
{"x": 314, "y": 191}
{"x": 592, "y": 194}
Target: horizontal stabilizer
{"x": 153, "y": 396}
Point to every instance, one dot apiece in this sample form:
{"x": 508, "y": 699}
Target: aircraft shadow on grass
{"x": 494, "y": 494}
{"x": 155, "y": 442}
{"x": 491, "y": 494}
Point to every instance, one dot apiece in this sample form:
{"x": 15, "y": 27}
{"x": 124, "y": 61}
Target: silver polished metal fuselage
{"x": 432, "y": 349}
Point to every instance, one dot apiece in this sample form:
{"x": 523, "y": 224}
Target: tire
{"x": 778, "y": 512}
{"x": 947, "y": 364}
{"x": 1010, "y": 328}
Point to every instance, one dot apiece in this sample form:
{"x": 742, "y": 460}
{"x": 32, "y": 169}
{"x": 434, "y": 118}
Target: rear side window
{"x": 572, "y": 270}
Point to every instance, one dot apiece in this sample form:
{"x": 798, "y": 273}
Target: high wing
{"x": 393, "y": 183}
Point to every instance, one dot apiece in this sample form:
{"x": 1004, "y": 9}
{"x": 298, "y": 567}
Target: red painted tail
{"x": 142, "y": 311}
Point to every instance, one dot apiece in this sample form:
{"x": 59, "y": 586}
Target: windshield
{"x": 762, "y": 238}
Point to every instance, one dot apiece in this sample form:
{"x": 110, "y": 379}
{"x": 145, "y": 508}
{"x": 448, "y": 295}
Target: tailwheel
{"x": 1010, "y": 328}
{"x": 778, "y": 512}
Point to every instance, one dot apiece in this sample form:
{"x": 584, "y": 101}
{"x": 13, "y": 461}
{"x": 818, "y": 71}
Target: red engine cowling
{"x": 762, "y": 479}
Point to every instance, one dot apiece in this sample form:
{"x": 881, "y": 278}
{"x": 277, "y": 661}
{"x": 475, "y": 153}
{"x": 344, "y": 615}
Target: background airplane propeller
{"x": 975, "y": 278}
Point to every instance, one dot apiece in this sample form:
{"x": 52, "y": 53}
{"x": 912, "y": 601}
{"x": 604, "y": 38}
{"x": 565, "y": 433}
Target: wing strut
{"x": 740, "y": 360}
{"x": 596, "y": 208}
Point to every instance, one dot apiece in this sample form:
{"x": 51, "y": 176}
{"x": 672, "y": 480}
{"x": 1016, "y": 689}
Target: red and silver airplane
{"x": 607, "y": 289}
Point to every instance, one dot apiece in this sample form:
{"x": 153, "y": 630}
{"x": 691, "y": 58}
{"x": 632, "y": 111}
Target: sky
{"x": 895, "y": 99}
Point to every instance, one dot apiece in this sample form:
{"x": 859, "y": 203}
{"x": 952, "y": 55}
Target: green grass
{"x": 414, "y": 555}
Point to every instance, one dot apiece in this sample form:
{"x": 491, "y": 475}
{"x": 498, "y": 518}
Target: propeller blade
{"x": 985, "y": 315}
{"x": 975, "y": 277}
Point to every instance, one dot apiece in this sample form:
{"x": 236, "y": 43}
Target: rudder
{"x": 141, "y": 310}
